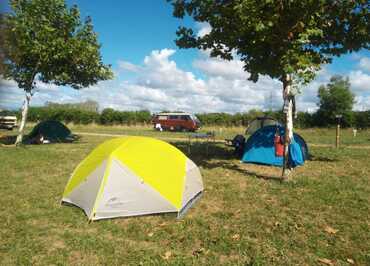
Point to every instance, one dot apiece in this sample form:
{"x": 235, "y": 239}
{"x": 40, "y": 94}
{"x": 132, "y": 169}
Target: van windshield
{"x": 193, "y": 117}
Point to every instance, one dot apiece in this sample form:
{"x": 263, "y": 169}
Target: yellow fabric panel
{"x": 92, "y": 161}
{"x": 158, "y": 163}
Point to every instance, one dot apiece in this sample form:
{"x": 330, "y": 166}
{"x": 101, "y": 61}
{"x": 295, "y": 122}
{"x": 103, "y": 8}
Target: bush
{"x": 62, "y": 114}
{"x": 110, "y": 116}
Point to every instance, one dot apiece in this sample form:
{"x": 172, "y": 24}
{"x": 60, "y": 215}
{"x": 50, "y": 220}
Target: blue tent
{"x": 260, "y": 148}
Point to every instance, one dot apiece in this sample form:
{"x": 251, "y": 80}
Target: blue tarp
{"x": 260, "y": 148}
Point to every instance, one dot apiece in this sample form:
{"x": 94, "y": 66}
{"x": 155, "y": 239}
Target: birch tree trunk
{"x": 288, "y": 110}
{"x": 26, "y": 105}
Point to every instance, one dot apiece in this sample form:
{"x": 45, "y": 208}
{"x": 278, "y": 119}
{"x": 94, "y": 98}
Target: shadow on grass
{"x": 202, "y": 153}
{"x": 258, "y": 171}
{"x": 315, "y": 158}
{"x": 219, "y": 155}
{"x": 8, "y": 140}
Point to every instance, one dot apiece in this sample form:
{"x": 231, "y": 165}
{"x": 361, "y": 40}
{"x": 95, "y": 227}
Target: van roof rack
{"x": 173, "y": 113}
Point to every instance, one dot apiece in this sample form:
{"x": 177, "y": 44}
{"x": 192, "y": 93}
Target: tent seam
{"x": 105, "y": 177}
{"x": 101, "y": 187}
{"x": 77, "y": 167}
{"x": 121, "y": 165}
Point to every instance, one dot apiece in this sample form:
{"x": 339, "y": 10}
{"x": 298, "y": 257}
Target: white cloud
{"x": 124, "y": 65}
{"x": 203, "y": 28}
{"x": 9, "y": 95}
{"x": 12, "y": 97}
{"x": 159, "y": 72}
{"x": 362, "y": 102}
{"x": 159, "y": 83}
{"x": 360, "y": 81}
{"x": 360, "y": 84}
{"x": 307, "y": 100}
{"x": 225, "y": 87}
{"x": 215, "y": 67}
{"x": 365, "y": 64}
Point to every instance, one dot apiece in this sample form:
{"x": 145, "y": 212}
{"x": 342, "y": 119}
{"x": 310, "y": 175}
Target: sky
{"x": 151, "y": 73}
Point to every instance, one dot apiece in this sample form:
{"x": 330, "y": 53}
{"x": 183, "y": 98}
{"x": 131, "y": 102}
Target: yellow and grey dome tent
{"x": 131, "y": 176}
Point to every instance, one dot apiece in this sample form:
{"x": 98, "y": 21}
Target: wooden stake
{"x": 337, "y": 136}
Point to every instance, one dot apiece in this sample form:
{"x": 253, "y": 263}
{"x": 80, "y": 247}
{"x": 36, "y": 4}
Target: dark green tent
{"x": 51, "y": 130}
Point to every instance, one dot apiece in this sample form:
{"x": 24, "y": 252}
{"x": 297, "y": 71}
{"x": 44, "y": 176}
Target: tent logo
{"x": 114, "y": 203}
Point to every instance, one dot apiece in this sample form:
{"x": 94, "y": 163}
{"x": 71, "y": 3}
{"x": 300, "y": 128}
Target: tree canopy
{"x": 335, "y": 98}
{"x": 88, "y": 105}
{"x": 276, "y": 37}
{"x": 46, "y": 40}
{"x": 283, "y": 39}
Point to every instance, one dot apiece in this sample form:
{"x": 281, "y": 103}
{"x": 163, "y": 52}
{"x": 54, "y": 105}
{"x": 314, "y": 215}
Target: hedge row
{"x": 79, "y": 116}
{"x": 66, "y": 115}
{"x": 110, "y": 117}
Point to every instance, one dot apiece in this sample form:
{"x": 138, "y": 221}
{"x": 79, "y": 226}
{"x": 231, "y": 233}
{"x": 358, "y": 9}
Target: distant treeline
{"x": 358, "y": 119}
{"x": 68, "y": 114}
{"x": 80, "y": 116}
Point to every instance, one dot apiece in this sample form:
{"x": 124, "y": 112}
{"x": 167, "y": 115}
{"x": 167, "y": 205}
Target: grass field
{"x": 313, "y": 136}
{"x": 321, "y": 216}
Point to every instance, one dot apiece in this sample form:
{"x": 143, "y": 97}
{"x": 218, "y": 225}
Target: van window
{"x": 162, "y": 117}
{"x": 195, "y": 118}
{"x": 174, "y": 117}
{"x": 185, "y": 117}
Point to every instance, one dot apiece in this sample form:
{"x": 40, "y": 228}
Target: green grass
{"x": 313, "y": 136}
{"x": 221, "y": 132}
{"x": 242, "y": 219}
{"x": 328, "y": 136}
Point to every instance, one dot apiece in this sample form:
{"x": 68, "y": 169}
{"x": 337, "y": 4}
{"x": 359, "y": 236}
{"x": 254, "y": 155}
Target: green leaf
{"x": 55, "y": 47}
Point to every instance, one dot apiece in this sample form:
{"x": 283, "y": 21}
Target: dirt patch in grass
{"x": 83, "y": 258}
{"x": 56, "y": 244}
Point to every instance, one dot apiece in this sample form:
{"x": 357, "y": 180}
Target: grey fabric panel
{"x": 189, "y": 204}
{"x": 85, "y": 194}
{"x": 125, "y": 194}
{"x": 122, "y": 214}
{"x": 193, "y": 182}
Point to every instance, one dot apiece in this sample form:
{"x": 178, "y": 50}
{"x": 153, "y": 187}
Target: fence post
{"x": 338, "y": 117}
{"x": 337, "y": 137}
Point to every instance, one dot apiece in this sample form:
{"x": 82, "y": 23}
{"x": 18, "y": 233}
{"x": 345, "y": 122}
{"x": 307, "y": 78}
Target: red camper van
{"x": 176, "y": 121}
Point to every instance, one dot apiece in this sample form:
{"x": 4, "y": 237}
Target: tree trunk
{"x": 288, "y": 110}
{"x": 24, "y": 119}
